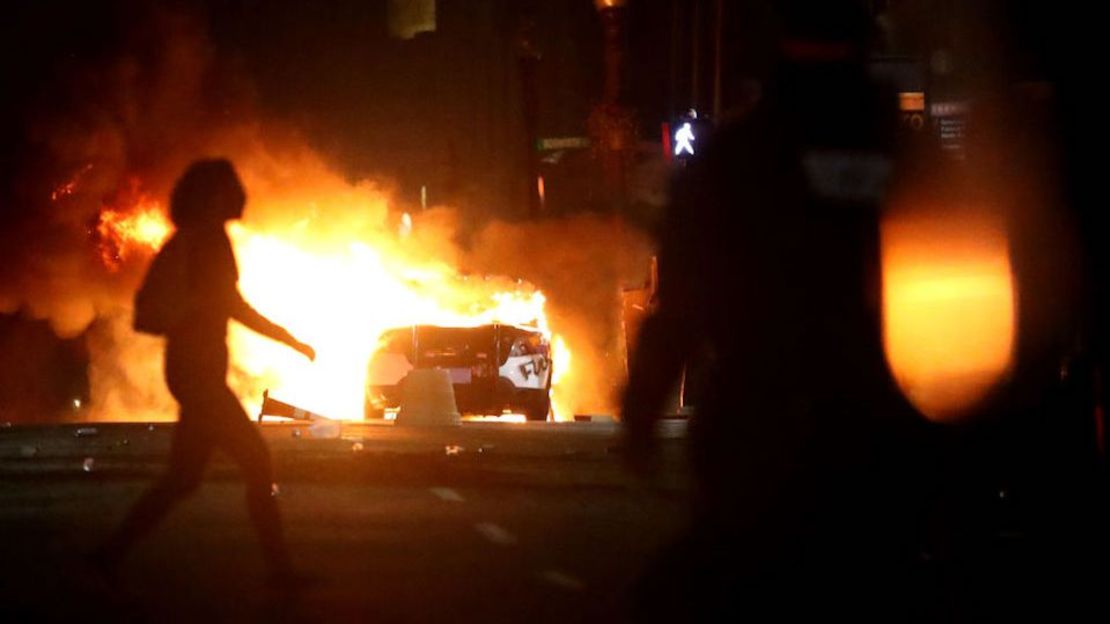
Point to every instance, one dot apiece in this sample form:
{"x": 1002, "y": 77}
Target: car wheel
{"x": 538, "y": 409}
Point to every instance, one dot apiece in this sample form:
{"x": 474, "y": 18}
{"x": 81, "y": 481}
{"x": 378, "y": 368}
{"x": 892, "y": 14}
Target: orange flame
{"x": 340, "y": 298}
{"x": 122, "y": 234}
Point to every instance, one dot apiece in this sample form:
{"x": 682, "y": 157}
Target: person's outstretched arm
{"x": 253, "y": 320}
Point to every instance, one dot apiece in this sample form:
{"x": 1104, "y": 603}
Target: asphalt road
{"x": 485, "y": 522}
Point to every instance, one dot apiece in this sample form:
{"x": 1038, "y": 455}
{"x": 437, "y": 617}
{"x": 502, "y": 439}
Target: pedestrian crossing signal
{"x": 684, "y": 140}
{"x": 684, "y": 137}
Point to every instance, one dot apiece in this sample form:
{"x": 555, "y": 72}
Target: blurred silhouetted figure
{"x": 770, "y": 257}
{"x": 1069, "y": 531}
{"x": 189, "y": 294}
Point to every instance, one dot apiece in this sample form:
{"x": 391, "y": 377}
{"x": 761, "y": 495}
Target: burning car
{"x": 494, "y": 368}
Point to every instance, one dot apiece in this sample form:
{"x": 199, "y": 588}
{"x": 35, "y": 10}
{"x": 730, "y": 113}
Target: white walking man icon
{"x": 684, "y": 140}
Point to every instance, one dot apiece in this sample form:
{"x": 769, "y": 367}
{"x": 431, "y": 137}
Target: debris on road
{"x": 447, "y": 494}
{"x": 495, "y": 534}
{"x": 562, "y": 580}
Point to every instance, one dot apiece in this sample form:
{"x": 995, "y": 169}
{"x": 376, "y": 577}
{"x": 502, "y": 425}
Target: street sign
{"x": 950, "y": 120}
{"x": 562, "y": 143}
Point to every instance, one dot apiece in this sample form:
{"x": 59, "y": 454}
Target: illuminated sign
{"x": 911, "y": 102}
{"x": 685, "y": 137}
{"x": 684, "y": 140}
{"x": 950, "y": 121}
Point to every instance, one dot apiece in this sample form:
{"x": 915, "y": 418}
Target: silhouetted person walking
{"x": 770, "y": 257}
{"x": 189, "y": 294}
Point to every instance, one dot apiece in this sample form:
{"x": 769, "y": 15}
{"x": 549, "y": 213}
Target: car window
{"x": 517, "y": 342}
{"x": 453, "y": 346}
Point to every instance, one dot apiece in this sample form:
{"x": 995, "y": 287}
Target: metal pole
{"x": 717, "y": 59}
{"x": 695, "y": 54}
{"x": 676, "y": 51}
{"x": 612, "y": 126}
{"x": 528, "y": 58}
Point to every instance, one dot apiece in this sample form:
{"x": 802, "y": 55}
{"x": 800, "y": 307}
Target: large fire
{"x": 340, "y": 299}
{"x": 338, "y": 293}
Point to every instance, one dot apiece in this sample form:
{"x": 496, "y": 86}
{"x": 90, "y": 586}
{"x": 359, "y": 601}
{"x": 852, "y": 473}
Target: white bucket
{"x": 428, "y": 399}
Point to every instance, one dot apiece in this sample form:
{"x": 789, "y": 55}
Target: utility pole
{"x": 676, "y": 55}
{"x": 611, "y": 124}
{"x": 528, "y": 58}
{"x": 613, "y": 133}
{"x": 695, "y": 55}
{"x": 718, "y": 30}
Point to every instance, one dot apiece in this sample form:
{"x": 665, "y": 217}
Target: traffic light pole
{"x": 611, "y": 125}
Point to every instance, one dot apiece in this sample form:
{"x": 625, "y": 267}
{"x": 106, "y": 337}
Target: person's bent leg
{"x": 189, "y": 454}
{"x": 242, "y": 441}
